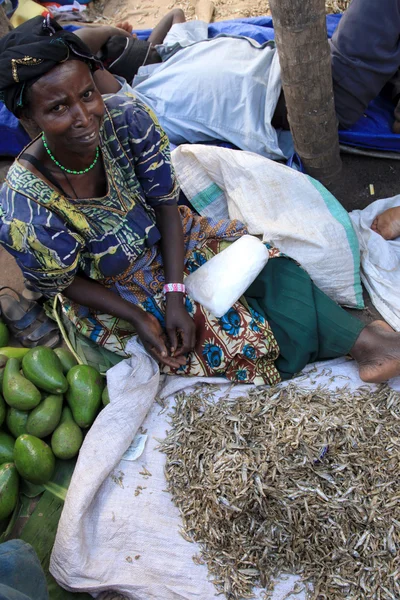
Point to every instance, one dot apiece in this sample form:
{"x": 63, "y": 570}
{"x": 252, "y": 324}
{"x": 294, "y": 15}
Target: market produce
{"x": 3, "y": 410}
{"x": 67, "y": 438}
{"x": 66, "y": 358}
{"x": 42, "y": 367}
{"x": 6, "y": 448}
{"x": 4, "y": 335}
{"x": 43, "y": 419}
{"x": 40, "y": 427}
{"x": 9, "y": 484}
{"x": 84, "y": 394}
{"x": 10, "y": 352}
{"x": 16, "y": 421}
{"x": 17, "y": 390}
{"x": 34, "y": 459}
{"x": 105, "y": 397}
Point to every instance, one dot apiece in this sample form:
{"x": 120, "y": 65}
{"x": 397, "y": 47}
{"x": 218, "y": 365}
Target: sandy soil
{"x": 146, "y": 13}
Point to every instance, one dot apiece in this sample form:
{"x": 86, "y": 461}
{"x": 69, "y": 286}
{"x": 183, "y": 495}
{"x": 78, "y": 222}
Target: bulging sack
{"x": 222, "y": 280}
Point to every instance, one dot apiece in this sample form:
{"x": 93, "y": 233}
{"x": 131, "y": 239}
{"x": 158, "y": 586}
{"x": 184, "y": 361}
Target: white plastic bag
{"x": 222, "y": 280}
{"x": 380, "y": 261}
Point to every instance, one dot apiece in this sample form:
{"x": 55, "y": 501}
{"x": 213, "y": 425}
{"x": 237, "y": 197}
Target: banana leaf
{"x": 85, "y": 350}
{"x": 41, "y": 527}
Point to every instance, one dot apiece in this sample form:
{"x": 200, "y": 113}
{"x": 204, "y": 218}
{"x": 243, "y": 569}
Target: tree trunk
{"x": 304, "y": 55}
{"x": 5, "y": 25}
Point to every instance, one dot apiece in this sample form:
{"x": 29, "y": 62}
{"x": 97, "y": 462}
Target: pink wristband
{"x": 174, "y": 287}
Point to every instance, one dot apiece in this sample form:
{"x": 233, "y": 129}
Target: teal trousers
{"x": 307, "y": 325}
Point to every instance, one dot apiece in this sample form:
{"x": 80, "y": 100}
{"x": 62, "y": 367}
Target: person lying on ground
{"x": 89, "y": 211}
{"x": 229, "y": 88}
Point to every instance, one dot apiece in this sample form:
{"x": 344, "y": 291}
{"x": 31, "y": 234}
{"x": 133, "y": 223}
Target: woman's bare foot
{"x": 388, "y": 223}
{"x": 377, "y": 352}
{"x": 125, "y": 25}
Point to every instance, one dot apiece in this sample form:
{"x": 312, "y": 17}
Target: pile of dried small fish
{"x": 289, "y": 480}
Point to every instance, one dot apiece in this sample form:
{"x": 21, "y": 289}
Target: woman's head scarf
{"x": 30, "y": 51}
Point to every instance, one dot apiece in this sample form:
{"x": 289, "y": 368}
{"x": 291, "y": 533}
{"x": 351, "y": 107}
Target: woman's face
{"x": 68, "y": 108}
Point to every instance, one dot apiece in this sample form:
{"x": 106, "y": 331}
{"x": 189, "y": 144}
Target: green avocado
{"x": 34, "y": 459}
{"x": 16, "y": 421}
{"x": 66, "y": 358}
{"x": 43, "y": 368}
{"x": 43, "y": 419}
{"x": 67, "y": 438}
{"x": 9, "y": 484}
{"x": 4, "y": 334}
{"x": 84, "y": 394}
{"x": 3, "y": 410}
{"x": 18, "y": 392}
{"x": 105, "y": 398}
{"x": 7, "y": 444}
{"x": 3, "y": 362}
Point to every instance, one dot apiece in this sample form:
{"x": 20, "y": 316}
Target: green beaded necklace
{"x": 71, "y": 171}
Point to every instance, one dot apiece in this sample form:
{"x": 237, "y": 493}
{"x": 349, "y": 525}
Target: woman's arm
{"x": 160, "y": 31}
{"x": 96, "y": 37}
{"x": 93, "y": 295}
{"x": 106, "y": 82}
{"x": 177, "y": 320}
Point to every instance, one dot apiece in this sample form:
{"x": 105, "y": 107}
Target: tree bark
{"x": 5, "y": 25}
{"x": 305, "y": 59}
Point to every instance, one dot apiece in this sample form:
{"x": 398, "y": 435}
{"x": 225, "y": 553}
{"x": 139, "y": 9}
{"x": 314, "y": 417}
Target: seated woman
{"x": 89, "y": 210}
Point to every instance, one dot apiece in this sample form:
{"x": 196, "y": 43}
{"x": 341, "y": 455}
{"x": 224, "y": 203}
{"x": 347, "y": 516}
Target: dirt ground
{"x": 146, "y": 13}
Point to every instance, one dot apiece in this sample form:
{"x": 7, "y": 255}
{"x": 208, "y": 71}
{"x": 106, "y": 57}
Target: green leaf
{"x": 40, "y": 531}
{"x": 31, "y": 490}
{"x": 57, "y": 490}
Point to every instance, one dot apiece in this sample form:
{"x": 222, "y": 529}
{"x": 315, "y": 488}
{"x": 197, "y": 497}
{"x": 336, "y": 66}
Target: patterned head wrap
{"x": 30, "y": 51}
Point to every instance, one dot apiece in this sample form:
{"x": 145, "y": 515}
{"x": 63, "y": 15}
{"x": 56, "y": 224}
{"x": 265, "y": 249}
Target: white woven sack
{"x": 380, "y": 261}
{"x": 287, "y": 208}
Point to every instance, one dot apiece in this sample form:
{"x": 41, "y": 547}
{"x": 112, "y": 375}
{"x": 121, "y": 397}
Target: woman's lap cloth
{"x": 307, "y": 325}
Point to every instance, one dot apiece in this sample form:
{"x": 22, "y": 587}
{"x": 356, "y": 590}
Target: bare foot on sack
{"x": 388, "y": 223}
{"x": 377, "y": 352}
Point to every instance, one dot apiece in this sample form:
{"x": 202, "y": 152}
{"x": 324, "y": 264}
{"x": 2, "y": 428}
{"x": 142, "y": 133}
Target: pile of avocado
{"x": 33, "y": 410}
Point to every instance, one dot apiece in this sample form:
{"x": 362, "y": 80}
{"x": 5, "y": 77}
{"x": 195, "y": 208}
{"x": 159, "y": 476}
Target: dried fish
{"x": 245, "y": 477}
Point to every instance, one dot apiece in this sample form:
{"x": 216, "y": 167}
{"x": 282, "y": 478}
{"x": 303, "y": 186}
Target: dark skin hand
{"x": 66, "y": 105}
{"x": 89, "y": 293}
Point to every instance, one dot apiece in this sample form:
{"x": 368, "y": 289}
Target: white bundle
{"x": 222, "y": 280}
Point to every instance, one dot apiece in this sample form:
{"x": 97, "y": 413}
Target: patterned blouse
{"x": 52, "y": 237}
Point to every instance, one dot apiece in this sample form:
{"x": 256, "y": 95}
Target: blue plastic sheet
{"x": 372, "y": 131}
{"x": 13, "y": 137}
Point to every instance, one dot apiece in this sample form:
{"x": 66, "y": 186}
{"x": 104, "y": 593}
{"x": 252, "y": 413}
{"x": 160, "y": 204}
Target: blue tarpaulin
{"x": 372, "y": 131}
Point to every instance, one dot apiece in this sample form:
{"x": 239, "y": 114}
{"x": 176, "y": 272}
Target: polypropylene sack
{"x": 222, "y": 280}
{"x": 380, "y": 261}
{"x": 290, "y": 210}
